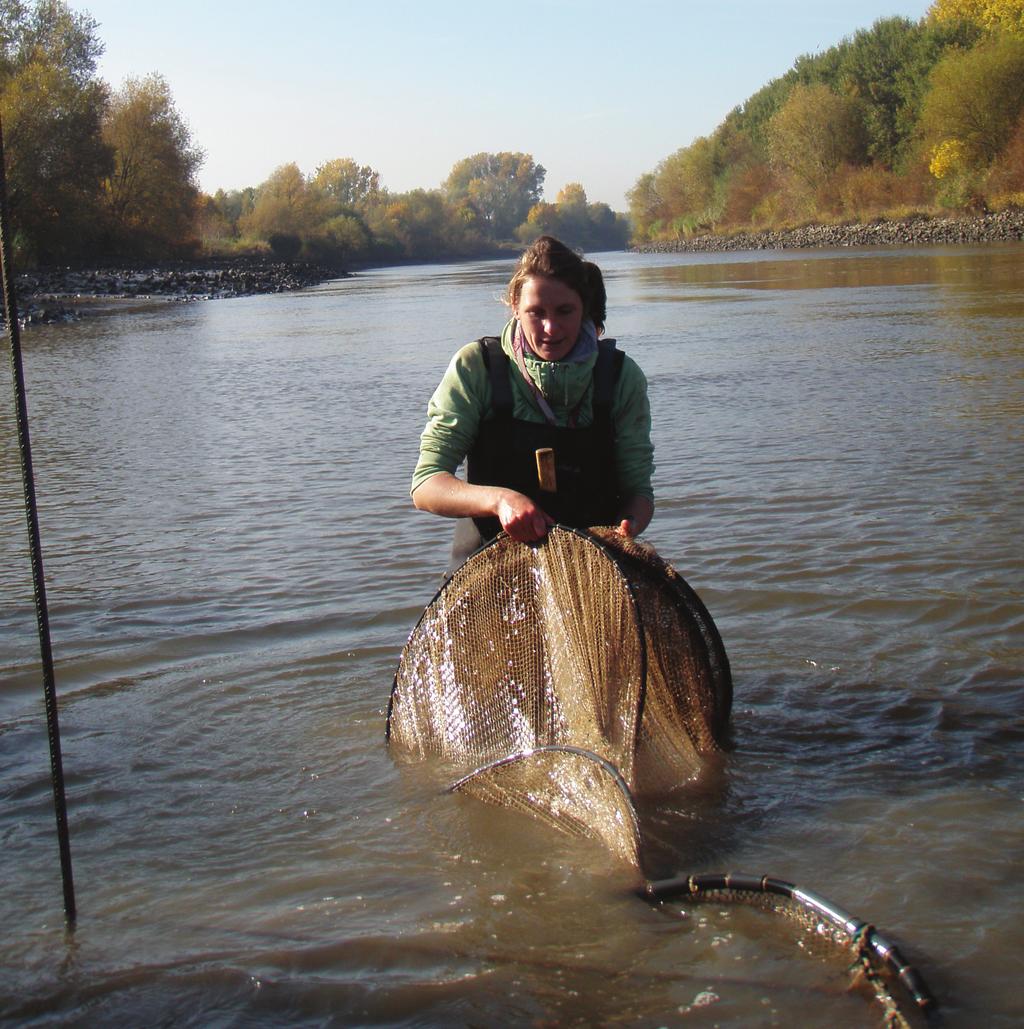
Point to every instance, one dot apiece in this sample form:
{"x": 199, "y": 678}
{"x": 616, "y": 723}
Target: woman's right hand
{"x": 521, "y": 518}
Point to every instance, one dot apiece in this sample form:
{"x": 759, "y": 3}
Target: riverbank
{"x": 53, "y": 295}
{"x": 920, "y": 230}
{"x": 64, "y": 294}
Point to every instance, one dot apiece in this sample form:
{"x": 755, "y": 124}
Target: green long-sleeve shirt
{"x": 463, "y": 400}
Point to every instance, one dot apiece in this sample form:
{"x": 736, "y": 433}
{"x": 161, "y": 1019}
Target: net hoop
{"x": 599, "y": 806}
{"x": 869, "y": 944}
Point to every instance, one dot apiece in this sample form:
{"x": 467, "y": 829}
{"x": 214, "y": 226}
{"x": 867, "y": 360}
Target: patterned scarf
{"x": 584, "y": 348}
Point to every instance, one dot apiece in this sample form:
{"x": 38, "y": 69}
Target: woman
{"x": 547, "y": 382}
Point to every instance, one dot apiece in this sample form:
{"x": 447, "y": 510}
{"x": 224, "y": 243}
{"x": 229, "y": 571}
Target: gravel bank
{"x": 60, "y": 294}
{"x": 1002, "y": 226}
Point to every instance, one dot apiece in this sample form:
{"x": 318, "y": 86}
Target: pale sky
{"x": 597, "y": 91}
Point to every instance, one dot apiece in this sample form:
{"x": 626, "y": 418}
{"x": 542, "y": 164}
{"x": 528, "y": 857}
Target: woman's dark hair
{"x": 598, "y": 296}
{"x": 552, "y": 259}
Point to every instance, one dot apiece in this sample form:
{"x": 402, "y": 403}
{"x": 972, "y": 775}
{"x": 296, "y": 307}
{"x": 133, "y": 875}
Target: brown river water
{"x": 233, "y": 566}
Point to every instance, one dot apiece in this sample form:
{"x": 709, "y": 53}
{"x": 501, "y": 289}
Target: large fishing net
{"x": 562, "y": 678}
{"x": 567, "y": 677}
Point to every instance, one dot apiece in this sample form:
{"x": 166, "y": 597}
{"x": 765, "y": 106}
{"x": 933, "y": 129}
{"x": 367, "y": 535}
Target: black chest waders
{"x": 505, "y": 452}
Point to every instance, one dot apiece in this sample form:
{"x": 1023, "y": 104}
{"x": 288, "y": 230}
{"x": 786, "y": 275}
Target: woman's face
{"x": 550, "y": 314}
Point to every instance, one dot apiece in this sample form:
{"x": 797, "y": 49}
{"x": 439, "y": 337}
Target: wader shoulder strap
{"x": 496, "y": 362}
{"x": 606, "y": 375}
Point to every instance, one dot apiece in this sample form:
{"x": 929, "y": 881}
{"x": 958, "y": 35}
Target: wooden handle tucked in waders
{"x": 546, "y": 470}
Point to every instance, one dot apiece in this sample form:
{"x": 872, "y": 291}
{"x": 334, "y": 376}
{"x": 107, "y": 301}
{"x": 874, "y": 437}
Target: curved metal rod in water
{"x": 865, "y": 935}
{"x": 563, "y": 748}
{"x": 855, "y": 928}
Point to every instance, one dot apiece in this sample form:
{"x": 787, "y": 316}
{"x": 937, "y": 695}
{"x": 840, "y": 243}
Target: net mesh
{"x": 688, "y": 693}
{"x": 569, "y": 789}
{"x": 584, "y": 641}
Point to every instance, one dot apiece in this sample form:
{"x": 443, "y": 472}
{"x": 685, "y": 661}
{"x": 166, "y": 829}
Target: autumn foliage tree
{"x": 285, "y": 204}
{"x": 813, "y": 134}
{"x": 151, "y": 190}
{"x": 976, "y": 98}
{"x": 348, "y": 184}
{"x": 992, "y": 15}
{"x": 348, "y": 191}
{"x": 91, "y": 173}
{"x": 852, "y": 131}
{"x": 1006, "y": 175}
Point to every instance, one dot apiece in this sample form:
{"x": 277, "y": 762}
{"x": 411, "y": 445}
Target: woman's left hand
{"x": 637, "y": 513}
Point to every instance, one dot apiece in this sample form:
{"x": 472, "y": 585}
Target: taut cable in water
{"x": 38, "y": 581}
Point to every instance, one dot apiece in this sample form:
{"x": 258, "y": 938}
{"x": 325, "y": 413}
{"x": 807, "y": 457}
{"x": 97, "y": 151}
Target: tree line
{"x": 904, "y": 116}
{"x": 99, "y": 173}
{"x": 342, "y": 213}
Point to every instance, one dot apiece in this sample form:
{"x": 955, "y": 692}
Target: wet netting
{"x": 566, "y": 677}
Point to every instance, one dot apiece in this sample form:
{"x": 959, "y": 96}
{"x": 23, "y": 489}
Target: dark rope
{"x": 866, "y": 940}
{"x": 39, "y": 586}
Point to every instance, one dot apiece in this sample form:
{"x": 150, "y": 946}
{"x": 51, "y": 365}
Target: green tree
{"x": 48, "y": 31}
{"x": 751, "y": 118}
{"x": 151, "y": 191}
{"x": 686, "y": 183}
{"x": 932, "y": 41}
{"x": 607, "y": 229}
{"x": 813, "y": 133}
{"x": 502, "y": 187}
{"x": 645, "y": 206}
{"x": 52, "y": 106}
{"x": 232, "y": 205}
{"x": 876, "y": 68}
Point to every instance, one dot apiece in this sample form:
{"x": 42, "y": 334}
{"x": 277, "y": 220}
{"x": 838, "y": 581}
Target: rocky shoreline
{"x": 998, "y": 227}
{"x": 53, "y": 295}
